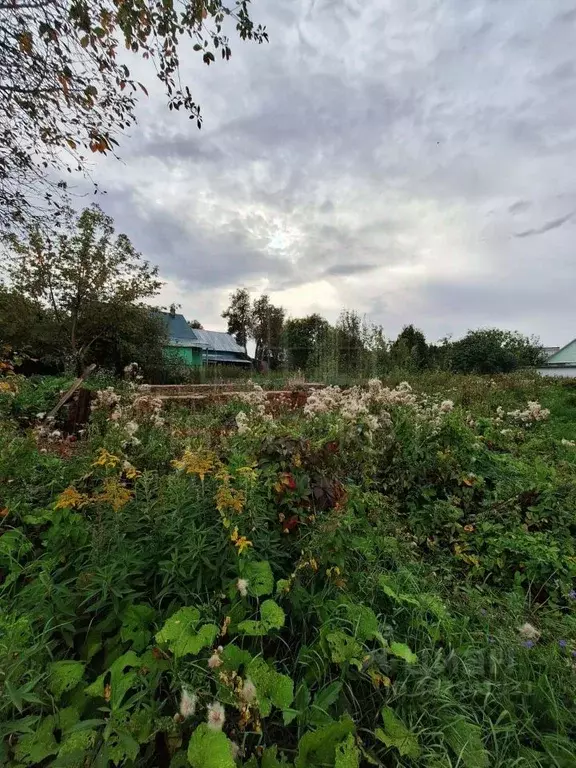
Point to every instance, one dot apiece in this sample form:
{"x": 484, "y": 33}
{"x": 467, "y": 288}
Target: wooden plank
{"x": 68, "y": 394}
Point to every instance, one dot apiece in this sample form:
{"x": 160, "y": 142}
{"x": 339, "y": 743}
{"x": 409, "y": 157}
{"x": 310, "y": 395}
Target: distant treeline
{"x": 355, "y": 346}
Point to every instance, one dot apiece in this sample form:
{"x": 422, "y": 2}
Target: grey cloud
{"x": 344, "y": 270}
{"x": 519, "y": 207}
{"x": 372, "y": 133}
{"x": 190, "y": 254}
{"x": 554, "y": 224}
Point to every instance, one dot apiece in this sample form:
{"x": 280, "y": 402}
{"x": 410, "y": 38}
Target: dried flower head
{"x": 215, "y": 716}
{"x": 528, "y": 632}
{"x": 248, "y": 692}
{"x": 215, "y": 661}
{"x": 242, "y": 586}
{"x": 187, "y": 703}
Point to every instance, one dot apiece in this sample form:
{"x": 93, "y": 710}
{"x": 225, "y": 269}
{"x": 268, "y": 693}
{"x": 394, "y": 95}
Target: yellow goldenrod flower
{"x": 192, "y": 463}
{"x": 70, "y": 498}
{"x": 249, "y": 473}
{"x": 115, "y": 494}
{"x": 229, "y": 499}
{"x": 106, "y": 459}
{"x": 240, "y": 542}
{"x": 130, "y": 471}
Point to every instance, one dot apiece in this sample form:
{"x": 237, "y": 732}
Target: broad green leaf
{"x": 120, "y": 678}
{"x": 260, "y": 578}
{"x": 136, "y": 626}
{"x": 402, "y": 651}
{"x": 183, "y": 635}
{"x": 74, "y": 747}
{"x": 465, "y": 739}
{"x": 347, "y": 754}
{"x": 395, "y": 734}
{"x": 271, "y": 617}
{"x": 210, "y": 749}
{"x": 33, "y": 748}
{"x": 234, "y": 657}
{"x": 318, "y": 748}
{"x": 272, "y": 688}
{"x": 364, "y": 622}
{"x": 63, "y": 676}
{"x": 270, "y": 759}
{"x": 344, "y": 648}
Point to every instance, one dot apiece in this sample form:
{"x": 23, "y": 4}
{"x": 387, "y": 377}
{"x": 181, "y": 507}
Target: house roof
{"x": 564, "y": 356}
{"x": 227, "y": 357}
{"x": 218, "y": 342}
{"x": 179, "y": 332}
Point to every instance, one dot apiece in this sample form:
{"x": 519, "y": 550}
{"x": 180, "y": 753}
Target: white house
{"x": 561, "y": 363}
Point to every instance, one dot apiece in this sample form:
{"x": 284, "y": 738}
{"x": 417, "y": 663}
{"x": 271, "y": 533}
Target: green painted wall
{"x": 191, "y": 356}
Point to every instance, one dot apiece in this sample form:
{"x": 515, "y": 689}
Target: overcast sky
{"x": 414, "y": 160}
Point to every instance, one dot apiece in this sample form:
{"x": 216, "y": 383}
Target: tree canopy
{"x": 90, "y": 281}
{"x": 66, "y": 90}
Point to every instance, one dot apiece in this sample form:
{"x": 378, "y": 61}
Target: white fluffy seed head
{"x": 216, "y": 716}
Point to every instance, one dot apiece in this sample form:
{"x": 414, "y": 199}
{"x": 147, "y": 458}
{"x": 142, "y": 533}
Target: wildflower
{"x": 528, "y": 632}
{"x": 130, "y": 471}
{"x": 240, "y": 542}
{"x": 242, "y": 586}
{"x": 242, "y": 423}
{"x": 187, "y": 704}
{"x": 562, "y": 643}
{"x": 215, "y": 661}
{"x": 195, "y": 463}
{"x": 468, "y": 528}
{"x": 70, "y": 498}
{"x": 131, "y": 427}
{"x": 248, "y": 692}
{"x": 446, "y": 406}
{"x": 572, "y": 594}
{"x": 106, "y": 459}
{"x": 230, "y": 499}
{"x": 528, "y": 643}
{"x": 216, "y": 716}
{"x": 569, "y": 443}
{"x": 115, "y": 494}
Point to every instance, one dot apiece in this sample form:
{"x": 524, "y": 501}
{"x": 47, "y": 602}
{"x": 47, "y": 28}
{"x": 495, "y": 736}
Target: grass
{"x": 387, "y": 573}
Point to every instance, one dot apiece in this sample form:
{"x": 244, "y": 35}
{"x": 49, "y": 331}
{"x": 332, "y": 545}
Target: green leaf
{"x": 364, "y": 621}
{"x": 318, "y": 748}
{"x": 183, "y": 635}
{"x": 33, "y": 748}
{"x": 347, "y": 754}
{"x": 344, "y": 648}
{"x": 63, "y": 676}
{"x": 270, "y": 759}
{"x": 260, "y": 578}
{"x": 73, "y": 749}
{"x": 210, "y": 749}
{"x": 272, "y": 688}
{"x": 121, "y": 678}
{"x": 395, "y": 734}
{"x": 465, "y": 739}
{"x": 271, "y": 617}
{"x": 402, "y": 651}
{"x": 323, "y": 701}
{"x": 136, "y": 626}
{"x": 234, "y": 657}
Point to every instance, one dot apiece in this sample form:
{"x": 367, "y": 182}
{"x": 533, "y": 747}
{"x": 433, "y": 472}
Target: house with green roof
{"x": 561, "y": 363}
{"x": 196, "y": 347}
